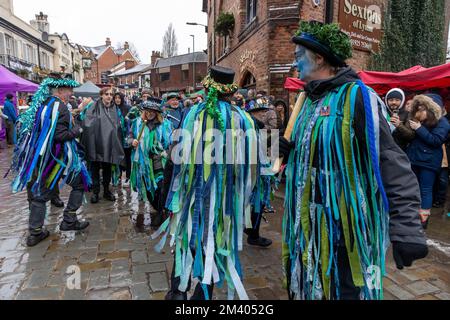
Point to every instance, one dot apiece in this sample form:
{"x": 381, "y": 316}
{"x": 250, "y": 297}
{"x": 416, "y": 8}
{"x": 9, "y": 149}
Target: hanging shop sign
{"x": 362, "y": 20}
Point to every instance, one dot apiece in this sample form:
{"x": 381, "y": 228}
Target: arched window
{"x": 249, "y": 81}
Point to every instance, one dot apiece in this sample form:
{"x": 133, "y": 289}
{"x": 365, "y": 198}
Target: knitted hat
{"x": 152, "y": 104}
{"x": 173, "y": 95}
{"x": 396, "y": 94}
{"x": 436, "y": 98}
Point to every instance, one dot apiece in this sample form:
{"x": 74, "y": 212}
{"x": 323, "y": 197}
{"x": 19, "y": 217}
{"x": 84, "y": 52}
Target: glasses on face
{"x": 108, "y": 94}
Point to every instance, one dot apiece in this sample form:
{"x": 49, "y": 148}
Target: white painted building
{"x": 22, "y": 47}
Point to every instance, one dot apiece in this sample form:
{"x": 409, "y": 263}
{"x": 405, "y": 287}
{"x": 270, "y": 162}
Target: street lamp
{"x": 198, "y": 24}
{"x": 193, "y": 60}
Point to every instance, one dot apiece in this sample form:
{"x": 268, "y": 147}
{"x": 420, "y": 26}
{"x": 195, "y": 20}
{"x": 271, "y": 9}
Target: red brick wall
{"x": 270, "y": 42}
{"x": 106, "y": 61}
{"x": 176, "y": 81}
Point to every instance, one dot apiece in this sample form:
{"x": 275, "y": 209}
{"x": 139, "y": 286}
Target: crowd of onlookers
{"x": 420, "y": 126}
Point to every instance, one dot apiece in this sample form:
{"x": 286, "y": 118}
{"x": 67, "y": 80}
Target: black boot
{"x": 157, "y": 220}
{"x": 176, "y": 296}
{"x": 94, "y": 198}
{"x": 75, "y": 226}
{"x": 109, "y": 196}
{"x": 57, "y": 202}
{"x": 34, "y": 240}
{"x": 259, "y": 242}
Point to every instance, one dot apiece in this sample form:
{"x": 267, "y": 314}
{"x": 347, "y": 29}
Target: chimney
{"x": 126, "y": 45}
{"x": 108, "y": 42}
{"x": 41, "y": 23}
{"x": 129, "y": 63}
{"x": 155, "y": 56}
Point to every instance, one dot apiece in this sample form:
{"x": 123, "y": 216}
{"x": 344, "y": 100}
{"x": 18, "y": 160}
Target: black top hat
{"x": 222, "y": 75}
{"x": 153, "y": 104}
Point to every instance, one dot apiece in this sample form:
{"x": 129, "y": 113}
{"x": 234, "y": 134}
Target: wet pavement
{"x": 115, "y": 259}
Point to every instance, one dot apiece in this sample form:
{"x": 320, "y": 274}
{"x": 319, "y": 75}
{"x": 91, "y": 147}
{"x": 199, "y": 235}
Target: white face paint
{"x": 304, "y": 64}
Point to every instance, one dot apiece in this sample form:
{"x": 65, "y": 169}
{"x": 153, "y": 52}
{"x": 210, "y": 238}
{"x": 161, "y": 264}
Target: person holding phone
{"x": 425, "y": 151}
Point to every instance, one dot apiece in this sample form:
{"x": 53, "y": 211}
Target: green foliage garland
{"x": 329, "y": 35}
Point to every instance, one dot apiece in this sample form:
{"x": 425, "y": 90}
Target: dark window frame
{"x": 251, "y": 9}
{"x": 164, "y": 76}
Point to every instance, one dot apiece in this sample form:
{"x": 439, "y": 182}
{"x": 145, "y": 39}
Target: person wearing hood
{"x": 397, "y": 117}
{"x": 119, "y": 101}
{"x": 103, "y": 139}
{"x": 426, "y": 150}
{"x": 346, "y": 179}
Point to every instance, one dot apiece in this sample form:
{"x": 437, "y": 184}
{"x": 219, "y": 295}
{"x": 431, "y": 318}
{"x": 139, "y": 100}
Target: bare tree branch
{"x": 170, "y": 43}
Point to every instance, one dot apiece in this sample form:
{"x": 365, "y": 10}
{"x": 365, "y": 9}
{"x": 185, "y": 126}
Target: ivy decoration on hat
{"x": 327, "y": 35}
{"x": 214, "y": 89}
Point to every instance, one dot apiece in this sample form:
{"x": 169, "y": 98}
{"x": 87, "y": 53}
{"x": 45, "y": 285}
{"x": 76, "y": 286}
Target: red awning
{"x": 416, "y": 78}
{"x": 294, "y": 84}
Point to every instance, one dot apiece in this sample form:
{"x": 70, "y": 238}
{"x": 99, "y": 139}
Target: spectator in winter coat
{"x": 425, "y": 151}
{"x": 10, "y": 111}
{"x": 398, "y": 116}
{"x": 119, "y": 101}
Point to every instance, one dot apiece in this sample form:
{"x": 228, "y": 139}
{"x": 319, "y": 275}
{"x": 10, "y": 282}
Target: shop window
{"x": 165, "y": 77}
{"x": 185, "y": 75}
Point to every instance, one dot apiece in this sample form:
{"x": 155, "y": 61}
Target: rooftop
{"x": 136, "y": 69}
{"x": 182, "y": 59}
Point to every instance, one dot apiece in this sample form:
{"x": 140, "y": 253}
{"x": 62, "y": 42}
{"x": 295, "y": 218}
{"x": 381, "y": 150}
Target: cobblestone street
{"x": 117, "y": 259}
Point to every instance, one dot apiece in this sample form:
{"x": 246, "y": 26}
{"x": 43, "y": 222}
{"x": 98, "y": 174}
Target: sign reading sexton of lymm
{"x": 362, "y": 21}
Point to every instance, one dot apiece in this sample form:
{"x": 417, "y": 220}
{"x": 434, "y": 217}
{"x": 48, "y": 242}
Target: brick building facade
{"x": 176, "y": 74}
{"x": 99, "y": 62}
{"x": 259, "y": 48}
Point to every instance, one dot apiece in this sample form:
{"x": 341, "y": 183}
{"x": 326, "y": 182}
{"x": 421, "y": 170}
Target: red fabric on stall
{"x": 416, "y": 78}
{"x": 294, "y": 84}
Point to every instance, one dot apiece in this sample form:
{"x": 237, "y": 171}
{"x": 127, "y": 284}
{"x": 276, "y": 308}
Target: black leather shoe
{"x": 76, "y": 226}
{"x": 94, "y": 198}
{"x": 34, "y": 240}
{"x": 109, "y": 196}
{"x": 260, "y": 242}
{"x": 176, "y": 296}
{"x": 57, "y": 202}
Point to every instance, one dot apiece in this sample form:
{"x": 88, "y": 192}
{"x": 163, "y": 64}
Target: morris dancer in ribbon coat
{"x": 48, "y": 152}
{"x": 212, "y": 192}
{"x": 151, "y": 138}
{"x": 345, "y": 178}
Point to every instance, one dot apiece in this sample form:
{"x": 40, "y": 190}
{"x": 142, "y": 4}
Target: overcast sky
{"x": 142, "y": 22}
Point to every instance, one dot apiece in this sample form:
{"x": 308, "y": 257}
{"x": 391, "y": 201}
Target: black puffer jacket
{"x": 64, "y": 131}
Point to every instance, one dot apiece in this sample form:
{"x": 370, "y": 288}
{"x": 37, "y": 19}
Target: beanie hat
{"x": 396, "y": 93}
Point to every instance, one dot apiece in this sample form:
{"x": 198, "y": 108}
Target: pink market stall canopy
{"x": 12, "y": 83}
